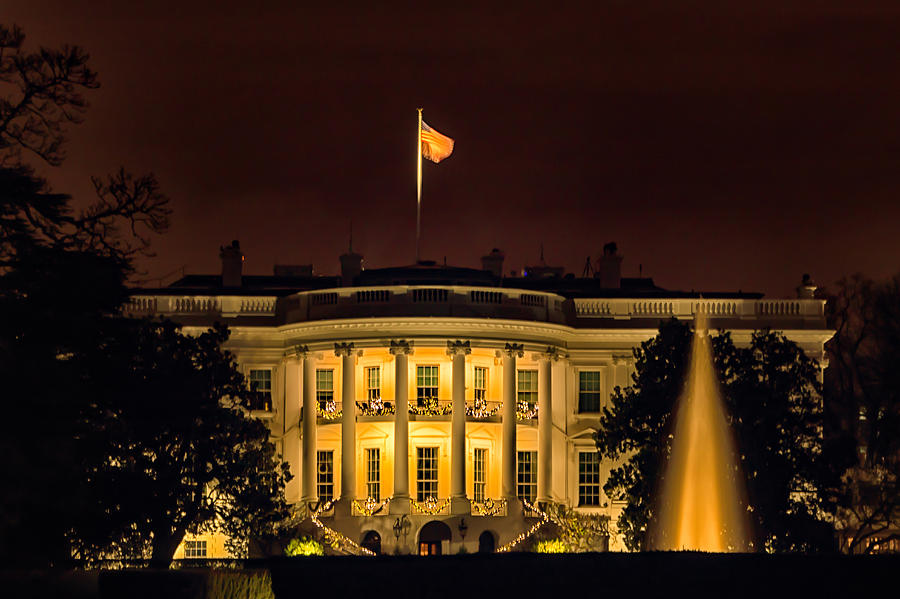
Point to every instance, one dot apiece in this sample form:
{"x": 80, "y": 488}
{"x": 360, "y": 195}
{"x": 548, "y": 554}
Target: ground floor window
{"x": 479, "y": 471}
{"x": 426, "y": 473}
{"x": 325, "y": 475}
{"x": 373, "y": 474}
{"x": 194, "y": 549}
{"x": 526, "y": 475}
{"x": 588, "y": 478}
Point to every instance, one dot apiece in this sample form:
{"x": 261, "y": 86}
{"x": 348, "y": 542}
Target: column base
{"x": 343, "y": 507}
{"x": 460, "y": 506}
{"x": 399, "y": 505}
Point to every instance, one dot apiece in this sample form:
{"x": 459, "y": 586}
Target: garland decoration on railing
{"x": 374, "y": 407}
{"x": 370, "y": 506}
{"x": 333, "y": 537}
{"x": 526, "y": 411}
{"x": 480, "y": 409}
{"x": 489, "y": 507}
{"x": 431, "y": 408}
{"x": 329, "y": 411}
{"x": 431, "y": 506}
{"x": 544, "y": 518}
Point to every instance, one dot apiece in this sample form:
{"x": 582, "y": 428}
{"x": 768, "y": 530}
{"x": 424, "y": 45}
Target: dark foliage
{"x": 772, "y": 395}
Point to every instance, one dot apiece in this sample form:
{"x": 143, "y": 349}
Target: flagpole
{"x": 418, "y": 185}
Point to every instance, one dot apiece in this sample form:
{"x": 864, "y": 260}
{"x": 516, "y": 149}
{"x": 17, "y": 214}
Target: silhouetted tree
{"x": 170, "y": 446}
{"x": 863, "y": 400}
{"x": 773, "y": 400}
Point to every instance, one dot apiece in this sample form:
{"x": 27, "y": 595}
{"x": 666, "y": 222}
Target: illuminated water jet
{"x": 700, "y": 507}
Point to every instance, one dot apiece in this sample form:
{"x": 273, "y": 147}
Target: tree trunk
{"x": 163, "y": 548}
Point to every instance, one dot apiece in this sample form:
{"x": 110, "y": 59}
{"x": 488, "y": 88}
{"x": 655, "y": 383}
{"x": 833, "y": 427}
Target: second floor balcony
{"x": 377, "y": 409}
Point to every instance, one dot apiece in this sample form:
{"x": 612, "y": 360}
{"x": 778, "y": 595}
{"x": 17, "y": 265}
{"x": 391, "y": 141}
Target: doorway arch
{"x": 486, "y": 542}
{"x": 432, "y": 536}
{"x": 372, "y": 542}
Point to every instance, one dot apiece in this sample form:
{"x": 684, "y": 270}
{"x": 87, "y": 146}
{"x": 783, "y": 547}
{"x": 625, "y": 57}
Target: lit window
{"x": 426, "y": 385}
{"x": 373, "y": 474}
{"x": 261, "y": 387}
{"x": 589, "y": 391}
{"x": 426, "y": 473}
{"x": 588, "y": 478}
{"x": 373, "y": 383}
{"x": 526, "y": 475}
{"x": 325, "y": 475}
{"x": 526, "y": 388}
{"x": 324, "y": 388}
{"x": 194, "y": 549}
{"x": 480, "y": 385}
{"x": 479, "y": 471}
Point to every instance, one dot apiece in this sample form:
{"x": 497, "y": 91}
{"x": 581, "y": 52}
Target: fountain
{"x": 701, "y": 505}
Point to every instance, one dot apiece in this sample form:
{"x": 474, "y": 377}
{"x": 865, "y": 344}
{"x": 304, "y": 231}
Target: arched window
{"x": 372, "y": 542}
{"x": 431, "y": 536}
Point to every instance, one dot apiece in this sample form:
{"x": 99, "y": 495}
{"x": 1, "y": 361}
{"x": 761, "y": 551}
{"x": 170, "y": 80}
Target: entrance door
{"x": 431, "y": 536}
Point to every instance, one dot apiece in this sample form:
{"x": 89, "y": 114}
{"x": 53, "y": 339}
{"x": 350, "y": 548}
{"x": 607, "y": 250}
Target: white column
{"x": 459, "y": 503}
{"x": 348, "y": 422}
{"x": 545, "y": 427}
{"x": 400, "y": 499}
{"x": 310, "y": 493}
{"x": 508, "y": 430}
{"x": 290, "y": 413}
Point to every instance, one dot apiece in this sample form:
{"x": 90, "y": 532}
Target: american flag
{"x": 435, "y": 146}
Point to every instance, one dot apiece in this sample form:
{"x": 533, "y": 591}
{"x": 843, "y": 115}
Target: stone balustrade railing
{"x": 224, "y": 305}
{"x": 688, "y": 308}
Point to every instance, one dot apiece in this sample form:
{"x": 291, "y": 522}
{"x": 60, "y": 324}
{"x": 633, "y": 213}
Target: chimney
{"x": 807, "y": 288}
{"x": 232, "y": 264}
{"x": 493, "y": 262}
{"x": 351, "y": 267}
{"x": 610, "y": 267}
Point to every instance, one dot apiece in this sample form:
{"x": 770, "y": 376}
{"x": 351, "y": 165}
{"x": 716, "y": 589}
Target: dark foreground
{"x": 626, "y": 576}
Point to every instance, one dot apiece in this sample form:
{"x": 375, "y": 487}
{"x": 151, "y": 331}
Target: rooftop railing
{"x": 688, "y": 308}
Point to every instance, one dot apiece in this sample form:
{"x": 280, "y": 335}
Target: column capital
{"x": 622, "y": 359}
{"x": 459, "y": 347}
{"x": 343, "y": 349}
{"x": 552, "y": 354}
{"x": 514, "y": 350}
{"x": 299, "y": 351}
{"x": 400, "y": 347}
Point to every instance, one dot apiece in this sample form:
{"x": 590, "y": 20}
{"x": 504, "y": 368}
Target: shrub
{"x": 550, "y": 546}
{"x": 304, "y": 546}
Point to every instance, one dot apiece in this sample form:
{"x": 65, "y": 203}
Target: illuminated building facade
{"x": 428, "y": 402}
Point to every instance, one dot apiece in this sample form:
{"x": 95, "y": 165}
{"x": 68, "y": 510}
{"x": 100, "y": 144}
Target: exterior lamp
{"x": 401, "y": 526}
{"x": 463, "y": 528}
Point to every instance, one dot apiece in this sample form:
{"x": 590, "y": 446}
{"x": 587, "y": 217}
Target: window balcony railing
{"x": 374, "y": 407}
{"x": 526, "y": 411}
{"x": 432, "y": 506}
{"x": 430, "y": 406}
{"x": 489, "y": 507}
{"x": 482, "y": 409}
{"x": 329, "y": 410}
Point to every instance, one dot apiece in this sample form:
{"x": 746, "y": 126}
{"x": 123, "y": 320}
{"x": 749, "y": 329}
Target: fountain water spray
{"x": 701, "y": 505}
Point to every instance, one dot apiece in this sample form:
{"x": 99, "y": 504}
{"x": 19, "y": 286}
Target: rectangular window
{"x": 373, "y": 474}
{"x": 426, "y": 385}
{"x": 479, "y": 471}
{"x": 194, "y": 549}
{"x": 261, "y": 387}
{"x": 526, "y": 475}
{"x": 324, "y": 388}
{"x": 589, "y": 391}
{"x": 480, "y": 385}
{"x": 325, "y": 475}
{"x": 373, "y": 382}
{"x": 426, "y": 473}
{"x": 526, "y": 387}
{"x": 588, "y": 478}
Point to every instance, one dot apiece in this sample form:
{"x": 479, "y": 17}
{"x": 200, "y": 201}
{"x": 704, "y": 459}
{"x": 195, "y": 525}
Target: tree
{"x": 863, "y": 400}
{"x": 171, "y": 447}
{"x": 772, "y": 395}
{"x": 62, "y": 278}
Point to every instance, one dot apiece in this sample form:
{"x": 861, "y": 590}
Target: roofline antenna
{"x": 588, "y": 270}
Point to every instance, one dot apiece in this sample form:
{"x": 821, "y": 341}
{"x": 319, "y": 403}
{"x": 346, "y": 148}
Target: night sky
{"x": 723, "y": 148}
